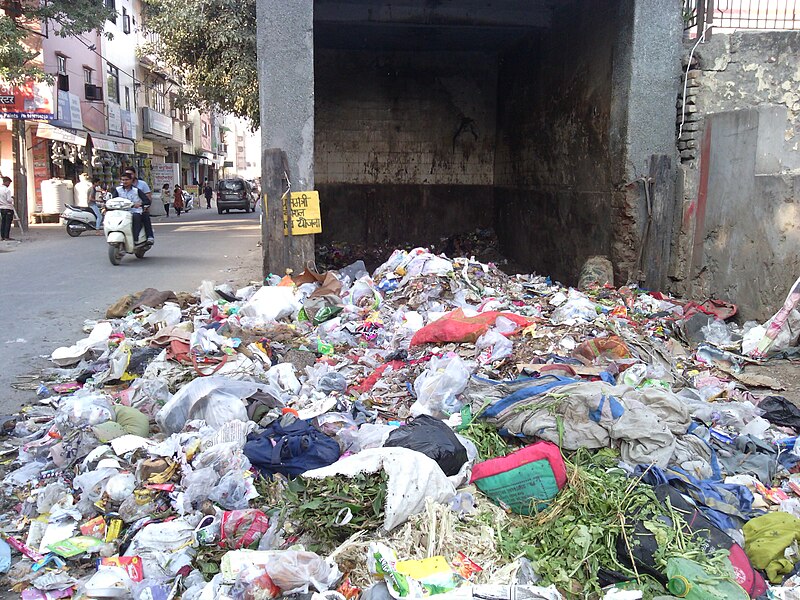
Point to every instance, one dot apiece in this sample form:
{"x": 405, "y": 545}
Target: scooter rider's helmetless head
{"x": 126, "y": 180}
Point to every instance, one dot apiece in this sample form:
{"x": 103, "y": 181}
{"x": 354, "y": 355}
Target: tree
{"x": 211, "y": 46}
{"x": 20, "y": 19}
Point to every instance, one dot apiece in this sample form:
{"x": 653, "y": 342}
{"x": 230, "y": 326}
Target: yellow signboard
{"x": 306, "y": 216}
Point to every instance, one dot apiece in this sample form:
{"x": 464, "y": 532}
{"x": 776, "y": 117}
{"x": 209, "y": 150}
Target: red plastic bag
{"x": 455, "y": 326}
{"x": 242, "y": 528}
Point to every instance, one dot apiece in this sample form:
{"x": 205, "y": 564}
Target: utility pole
{"x": 19, "y": 156}
{"x": 286, "y": 91}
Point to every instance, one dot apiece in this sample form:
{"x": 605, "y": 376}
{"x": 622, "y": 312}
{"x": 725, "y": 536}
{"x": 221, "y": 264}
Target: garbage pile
{"x": 435, "y": 428}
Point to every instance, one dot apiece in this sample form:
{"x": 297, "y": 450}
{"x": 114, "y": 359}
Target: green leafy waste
{"x": 332, "y": 509}
{"x": 569, "y": 542}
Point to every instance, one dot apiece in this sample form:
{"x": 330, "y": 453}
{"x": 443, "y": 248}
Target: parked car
{"x": 235, "y": 193}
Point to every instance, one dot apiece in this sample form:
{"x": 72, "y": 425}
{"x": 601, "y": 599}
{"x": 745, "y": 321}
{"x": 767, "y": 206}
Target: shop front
{"x": 110, "y": 156}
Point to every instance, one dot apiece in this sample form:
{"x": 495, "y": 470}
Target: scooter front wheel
{"x": 115, "y": 253}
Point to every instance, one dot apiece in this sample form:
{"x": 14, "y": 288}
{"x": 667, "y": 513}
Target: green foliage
{"x": 356, "y": 503}
{"x": 211, "y": 45}
{"x": 576, "y": 536}
{"x": 65, "y": 18}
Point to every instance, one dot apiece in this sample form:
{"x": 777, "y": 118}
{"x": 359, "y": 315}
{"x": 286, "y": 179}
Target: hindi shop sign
{"x": 32, "y": 100}
{"x": 306, "y": 215}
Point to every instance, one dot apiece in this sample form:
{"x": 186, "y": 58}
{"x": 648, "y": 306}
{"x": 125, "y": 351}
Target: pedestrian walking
{"x": 207, "y": 192}
{"x": 6, "y": 210}
{"x": 165, "y": 198}
{"x": 177, "y": 200}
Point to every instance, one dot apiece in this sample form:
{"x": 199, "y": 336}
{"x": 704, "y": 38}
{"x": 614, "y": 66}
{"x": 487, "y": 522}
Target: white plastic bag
{"x": 170, "y": 314}
{"x": 297, "y": 572}
{"x": 271, "y": 303}
{"x": 215, "y": 400}
{"x": 438, "y": 386}
{"x": 97, "y": 340}
{"x": 495, "y": 345}
{"x": 577, "y": 307}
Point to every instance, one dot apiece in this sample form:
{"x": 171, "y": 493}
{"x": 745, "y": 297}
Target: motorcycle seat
{"x": 79, "y": 208}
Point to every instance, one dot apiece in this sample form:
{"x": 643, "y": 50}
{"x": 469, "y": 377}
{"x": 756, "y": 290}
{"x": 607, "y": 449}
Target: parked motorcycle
{"x": 118, "y": 227}
{"x": 78, "y": 219}
{"x": 188, "y": 202}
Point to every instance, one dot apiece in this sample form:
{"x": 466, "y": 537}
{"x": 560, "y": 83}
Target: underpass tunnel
{"x": 439, "y": 118}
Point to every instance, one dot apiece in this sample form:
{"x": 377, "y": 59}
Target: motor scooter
{"x": 188, "y": 202}
{"x": 78, "y": 219}
{"x": 118, "y": 227}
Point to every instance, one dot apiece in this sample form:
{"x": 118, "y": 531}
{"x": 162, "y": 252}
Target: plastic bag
{"x": 271, "y": 303}
{"x": 369, "y": 435}
{"x": 198, "y": 485}
{"x": 434, "y": 439}
{"x": 243, "y": 528}
{"x": 93, "y": 483}
{"x": 212, "y": 399}
{"x": 577, "y": 306}
{"x": 456, "y": 326}
{"x": 717, "y": 332}
{"x": 495, "y": 345}
{"x": 232, "y": 491}
{"x": 437, "y": 387}
{"x": 297, "y": 572}
{"x": 170, "y": 314}
{"x": 86, "y": 409}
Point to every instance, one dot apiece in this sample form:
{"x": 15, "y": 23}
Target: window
{"x": 112, "y": 81}
{"x": 158, "y": 100}
{"x": 127, "y": 98}
{"x": 87, "y": 75}
{"x": 112, "y": 4}
{"x": 63, "y": 77}
{"x": 189, "y": 135}
{"x": 126, "y": 21}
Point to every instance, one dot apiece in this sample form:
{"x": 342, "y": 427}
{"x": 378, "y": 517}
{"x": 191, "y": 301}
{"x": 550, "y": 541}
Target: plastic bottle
{"x": 687, "y": 579}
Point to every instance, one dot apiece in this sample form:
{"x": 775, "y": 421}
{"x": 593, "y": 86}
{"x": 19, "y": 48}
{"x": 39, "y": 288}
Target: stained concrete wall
{"x": 582, "y": 111}
{"x": 405, "y": 143}
{"x": 740, "y": 232}
{"x": 553, "y": 177}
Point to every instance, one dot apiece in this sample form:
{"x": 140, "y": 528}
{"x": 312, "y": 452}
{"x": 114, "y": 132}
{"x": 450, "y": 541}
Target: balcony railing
{"x": 705, "y": 15}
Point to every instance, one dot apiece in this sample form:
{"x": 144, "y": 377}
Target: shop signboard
{"x": 114, "y": 119}
{"x": 69, "y": 111}
{"x": 32, "y": 100}
{"x": 164, "y": 173}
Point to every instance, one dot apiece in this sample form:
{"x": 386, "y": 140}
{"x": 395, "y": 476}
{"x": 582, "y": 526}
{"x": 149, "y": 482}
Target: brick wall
{"x": 405, "y": 118}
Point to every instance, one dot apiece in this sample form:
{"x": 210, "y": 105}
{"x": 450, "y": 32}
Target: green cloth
{"x": 129, "y": 421}
{"x": 766, "y": 538}
{"x": 133, "y": 421}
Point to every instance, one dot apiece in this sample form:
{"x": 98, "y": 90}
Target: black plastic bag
{"x": 434, "y": 439}
{"x": 780, "y": 411}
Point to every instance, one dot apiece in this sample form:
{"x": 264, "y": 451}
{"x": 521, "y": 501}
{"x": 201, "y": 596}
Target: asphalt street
{"x": 51, "y": 283}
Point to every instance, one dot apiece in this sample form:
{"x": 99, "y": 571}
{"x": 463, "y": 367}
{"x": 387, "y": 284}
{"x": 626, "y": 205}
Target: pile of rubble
{"x": 435, "y": 428}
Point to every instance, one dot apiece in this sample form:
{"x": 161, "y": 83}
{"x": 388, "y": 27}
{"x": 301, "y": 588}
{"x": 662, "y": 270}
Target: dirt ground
{"x": 785, "y": 371}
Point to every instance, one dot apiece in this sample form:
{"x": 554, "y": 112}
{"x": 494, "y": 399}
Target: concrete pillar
{"x": 286, "y": 84}
{"x": 646, "y": 82}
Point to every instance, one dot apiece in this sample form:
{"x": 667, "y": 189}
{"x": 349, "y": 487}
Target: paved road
{"x": 50, "y": 283}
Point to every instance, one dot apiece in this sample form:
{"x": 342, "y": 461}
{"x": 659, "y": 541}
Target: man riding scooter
{"x": 140, "y": 205}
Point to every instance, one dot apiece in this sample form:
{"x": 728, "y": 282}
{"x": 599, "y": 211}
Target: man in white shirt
{"x": 6, "y": 209}
{"x": 139, "y": 199}
{"x": 142, "y": 185}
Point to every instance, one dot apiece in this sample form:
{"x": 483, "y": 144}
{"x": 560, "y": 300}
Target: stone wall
{"x": 740, "y": 162}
